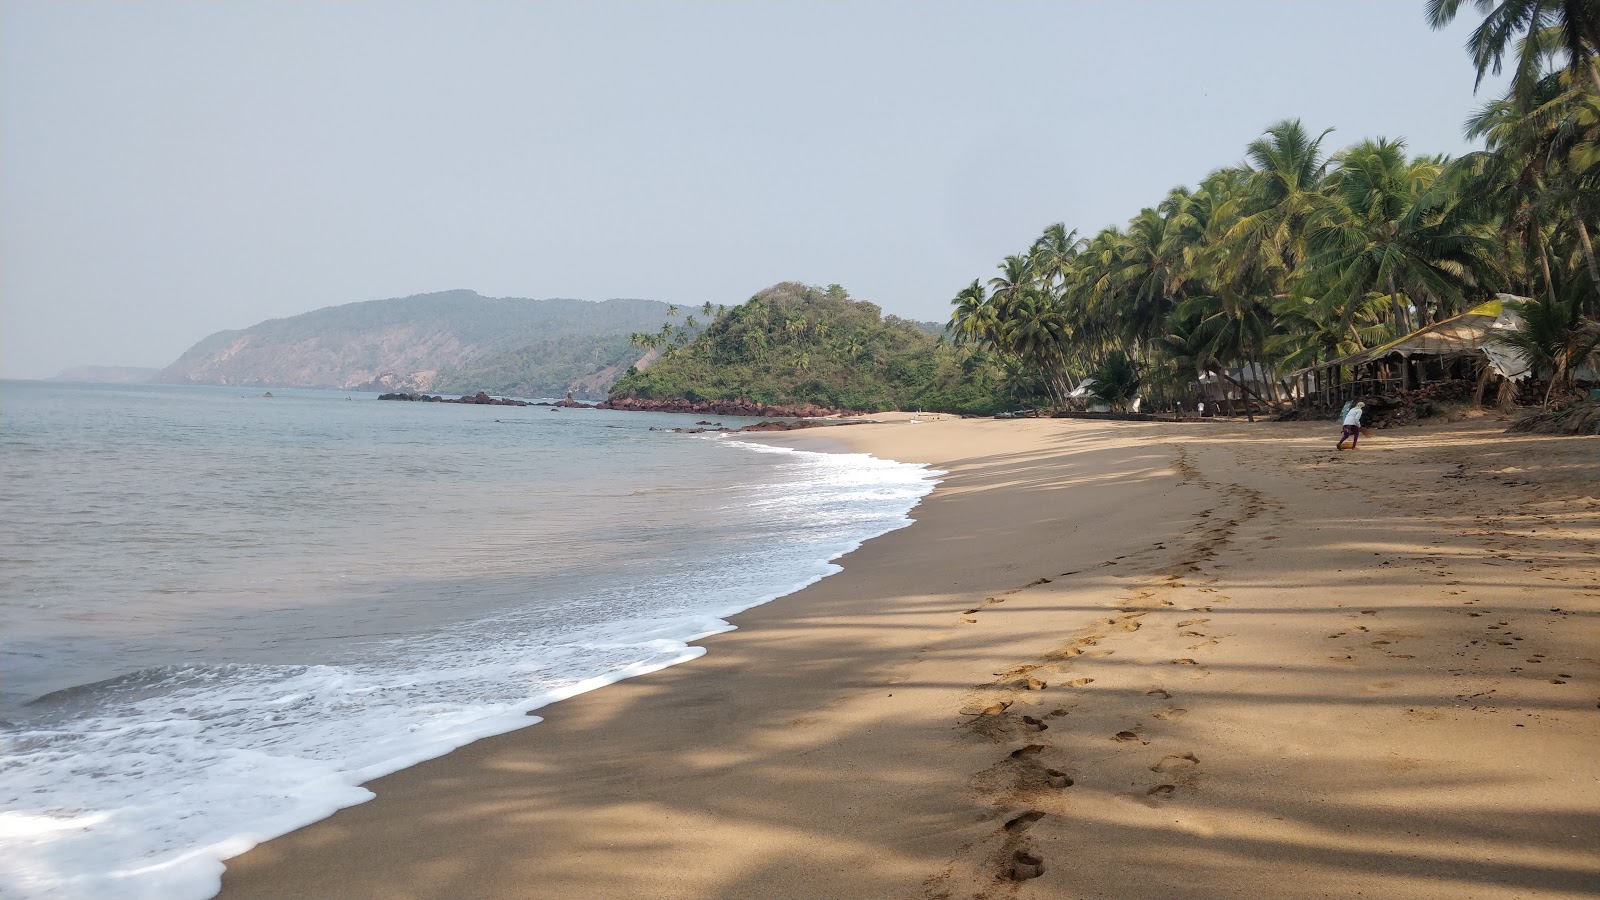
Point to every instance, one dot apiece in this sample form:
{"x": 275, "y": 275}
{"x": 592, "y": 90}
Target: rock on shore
{"x": 478, "y": 399}
{"x": 740, "y": 407}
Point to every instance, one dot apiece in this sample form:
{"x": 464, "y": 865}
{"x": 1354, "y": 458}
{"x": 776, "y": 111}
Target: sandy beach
{"x": 1109, "y": 660}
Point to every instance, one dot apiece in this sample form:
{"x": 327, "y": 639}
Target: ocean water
{"x": 220, "y": 613}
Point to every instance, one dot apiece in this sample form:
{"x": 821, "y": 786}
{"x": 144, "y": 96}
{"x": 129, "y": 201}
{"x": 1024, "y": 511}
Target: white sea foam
{"x": 144, "y": 785}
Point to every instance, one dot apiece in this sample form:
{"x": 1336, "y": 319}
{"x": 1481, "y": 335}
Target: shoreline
{"x": 827, "y": 747}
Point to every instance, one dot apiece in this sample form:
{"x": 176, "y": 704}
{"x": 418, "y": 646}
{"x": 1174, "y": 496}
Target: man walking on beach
{"x": 1352, "y": 426}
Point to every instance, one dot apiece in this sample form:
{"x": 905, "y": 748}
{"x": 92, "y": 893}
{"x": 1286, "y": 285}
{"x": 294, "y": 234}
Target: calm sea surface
{"x": 221, "y": 612}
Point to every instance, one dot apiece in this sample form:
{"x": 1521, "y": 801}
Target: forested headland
{"x": 796, "y": 345}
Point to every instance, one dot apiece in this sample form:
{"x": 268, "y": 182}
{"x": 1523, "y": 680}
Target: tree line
{"x": 1302, "y": 254}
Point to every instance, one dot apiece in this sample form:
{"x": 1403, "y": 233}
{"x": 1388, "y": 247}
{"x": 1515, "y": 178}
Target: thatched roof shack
{"x": 1457, "y": 347}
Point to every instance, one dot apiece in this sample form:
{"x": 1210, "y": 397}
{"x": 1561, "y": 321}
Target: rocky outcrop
{"x": 478, "y": 399}
{"x": 740, "y": 407}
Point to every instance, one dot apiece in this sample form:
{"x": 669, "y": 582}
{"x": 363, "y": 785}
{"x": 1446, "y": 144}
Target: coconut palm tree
{"x": 1055, "y": 255}
{"x": 1535, "y": 30}
{"x": 1389, "y": 231}
{"x": 1280, "y": 191}
{"x": 973, "y": 320}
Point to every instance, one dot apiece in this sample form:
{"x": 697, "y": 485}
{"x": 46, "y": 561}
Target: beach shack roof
{"x": 1250, "y": 373}
{"x": 1084, "y": 390}
{"x": 1467, "y": 334}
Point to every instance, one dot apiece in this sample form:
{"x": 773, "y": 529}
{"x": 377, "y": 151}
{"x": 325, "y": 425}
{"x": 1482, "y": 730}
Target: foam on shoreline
{"x": 154, "y": 779}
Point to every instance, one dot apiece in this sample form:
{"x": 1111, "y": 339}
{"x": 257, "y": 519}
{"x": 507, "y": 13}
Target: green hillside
{"x": 793, "y": 344}
{"x": 444, "y": 342}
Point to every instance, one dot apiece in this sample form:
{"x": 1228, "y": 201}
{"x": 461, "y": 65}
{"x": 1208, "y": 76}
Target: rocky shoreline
{"x": 703, "y": 427}
{"x": 478, "y": 399}
{"x": 740, "y": 407}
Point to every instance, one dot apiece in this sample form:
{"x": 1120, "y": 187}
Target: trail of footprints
{"x": 1030, "y": 781}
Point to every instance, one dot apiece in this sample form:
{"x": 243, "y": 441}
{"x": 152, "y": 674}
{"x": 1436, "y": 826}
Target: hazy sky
{"x": 169, "y": 169}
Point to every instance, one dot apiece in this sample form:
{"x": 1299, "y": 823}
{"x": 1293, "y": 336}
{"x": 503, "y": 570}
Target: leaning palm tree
{"x": 1036, "y": 331}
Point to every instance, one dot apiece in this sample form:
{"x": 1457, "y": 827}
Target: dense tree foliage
{"x": 1300, "y": 254}
{"x": 793, "y": 344}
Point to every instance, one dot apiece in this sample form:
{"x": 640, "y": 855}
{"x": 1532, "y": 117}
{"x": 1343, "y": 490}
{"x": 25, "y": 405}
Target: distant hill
{"x": 107, "y": 374}
{"x": 795, "y": 345}
{"x": 453, "y": 341}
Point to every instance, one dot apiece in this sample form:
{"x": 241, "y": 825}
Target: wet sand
{"x": 1114, "y": 660}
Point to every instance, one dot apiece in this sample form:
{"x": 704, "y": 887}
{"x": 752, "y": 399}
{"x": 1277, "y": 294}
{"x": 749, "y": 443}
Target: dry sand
{"x": 1160, "y": 660}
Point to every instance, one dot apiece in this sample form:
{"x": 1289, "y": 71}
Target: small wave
{"x": 139, "y": 786}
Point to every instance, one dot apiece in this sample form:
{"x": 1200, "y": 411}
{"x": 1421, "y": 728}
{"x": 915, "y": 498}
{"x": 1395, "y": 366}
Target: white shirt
{"x": 1353, "y": 417}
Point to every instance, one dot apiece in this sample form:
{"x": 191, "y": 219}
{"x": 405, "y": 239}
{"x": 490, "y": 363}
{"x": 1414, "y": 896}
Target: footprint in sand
{"x": 1162, "y": 791}
{"x": 1127, "y": 737}
{"x": 1159, "y": 693}
{"x": 1024, "y": 752}
{"x": 1185, "y": 661}
{"x": 1170, "y": 713}
{"x": 1024, "y": 821}
{"x": 1032, "y": 724}
{"x": 1080, "y": 682}
{"x": 1191, "y": 633}
{"x": 1176, "y": 762}
{"x": 1058, "y": 778}
{"x": 969, "y": 621}
{"x": 1025, "y": 865}
{"x": 1186, "y": 623}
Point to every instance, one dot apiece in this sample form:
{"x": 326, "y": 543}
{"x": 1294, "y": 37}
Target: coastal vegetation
{"x": 797, "y": 345}
{"x": 1303, "y": 252}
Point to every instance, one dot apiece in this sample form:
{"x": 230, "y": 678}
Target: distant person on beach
{"x": 1352, "y": 426}
{"x": 1201, "y": 407}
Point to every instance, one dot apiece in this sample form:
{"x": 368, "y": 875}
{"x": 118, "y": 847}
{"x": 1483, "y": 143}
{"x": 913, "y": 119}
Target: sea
{"x": 222, "y": 611}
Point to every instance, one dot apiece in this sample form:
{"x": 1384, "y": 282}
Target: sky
{"x": 170, "y": 168}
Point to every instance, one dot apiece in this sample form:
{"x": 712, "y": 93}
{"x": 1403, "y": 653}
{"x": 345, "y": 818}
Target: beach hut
{"x": 1460, "y": 347}
{"x": 1234, "y": 385}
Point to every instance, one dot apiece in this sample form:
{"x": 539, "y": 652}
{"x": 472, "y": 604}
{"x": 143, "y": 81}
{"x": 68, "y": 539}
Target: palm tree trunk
{"x": 1544, "y": 257}
{"x": 1401, "y": 320}
{"x": 1244, "y": 391}
{"x": 1588, "y": 248}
